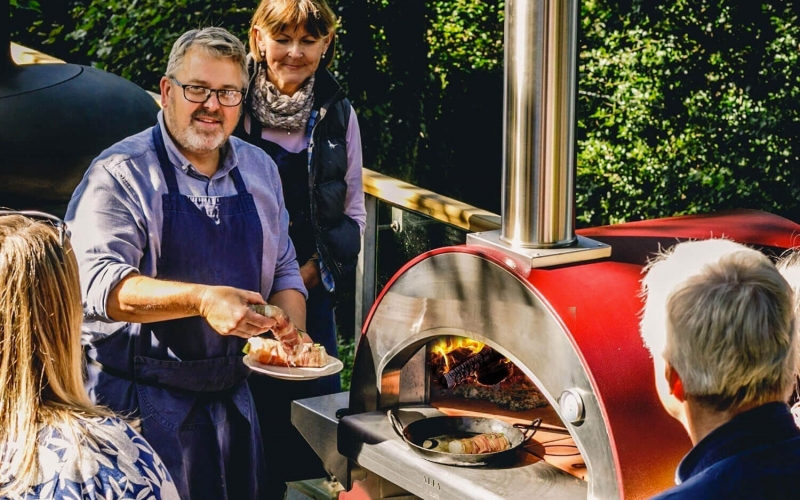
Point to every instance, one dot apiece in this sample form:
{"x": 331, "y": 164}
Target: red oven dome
{"x": 573, "y": 329}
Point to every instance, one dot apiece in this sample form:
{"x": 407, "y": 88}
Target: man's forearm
{"x": 141, "y": 299}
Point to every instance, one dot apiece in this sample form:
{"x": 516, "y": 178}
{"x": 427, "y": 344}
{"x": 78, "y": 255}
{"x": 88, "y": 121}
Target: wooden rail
{"x": 380, "y": 187}
{"x": 428, "y": 203}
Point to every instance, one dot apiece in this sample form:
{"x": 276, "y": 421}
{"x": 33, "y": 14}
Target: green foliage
{"x": 42, "y": 24}
{"x": 690, "y": 109}
{"x": 133, "y": 39}
{"x": 347, "y": 355}
{"x": 26, "y": 4}
{"x": 465, "y": 35}
{"x": 685, "y": 106}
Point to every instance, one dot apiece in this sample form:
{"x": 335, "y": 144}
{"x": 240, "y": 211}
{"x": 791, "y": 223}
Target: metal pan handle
{"x": 396, "y": 425}
{"x": 526, "y": 428}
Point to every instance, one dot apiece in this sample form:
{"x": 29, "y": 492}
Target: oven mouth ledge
{"x": 369, "y": 440}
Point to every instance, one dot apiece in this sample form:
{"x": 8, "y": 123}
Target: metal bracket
{"x": 525, "y": 259}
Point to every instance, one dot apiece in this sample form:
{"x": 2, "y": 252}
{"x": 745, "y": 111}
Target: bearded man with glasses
{"x": 178, "y": 230}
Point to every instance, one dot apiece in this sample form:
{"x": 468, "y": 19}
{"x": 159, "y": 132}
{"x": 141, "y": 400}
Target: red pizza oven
{"x": 571, "y": 330}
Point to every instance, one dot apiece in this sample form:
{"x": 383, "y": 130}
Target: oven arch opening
{"x": 464, "y": 293}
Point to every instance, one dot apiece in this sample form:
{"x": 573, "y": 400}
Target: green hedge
{"x": 684, "y": 106}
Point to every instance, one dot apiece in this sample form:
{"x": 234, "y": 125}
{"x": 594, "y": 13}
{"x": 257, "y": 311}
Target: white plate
{"x": 293, "y": 372}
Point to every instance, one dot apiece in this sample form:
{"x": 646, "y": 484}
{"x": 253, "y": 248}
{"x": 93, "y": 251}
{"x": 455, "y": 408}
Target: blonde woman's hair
{"x": 275, "y": 16}
{"x": 723, "y": 316}
{"x": 41, "y": 364}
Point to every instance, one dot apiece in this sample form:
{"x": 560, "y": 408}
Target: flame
{"x": 450, "y": 344}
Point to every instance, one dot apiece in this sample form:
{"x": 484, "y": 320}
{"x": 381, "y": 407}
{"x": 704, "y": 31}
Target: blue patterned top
{"x": 114, "y": 463}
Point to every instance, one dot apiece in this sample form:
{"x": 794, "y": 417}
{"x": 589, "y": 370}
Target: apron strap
{"x": 120, "y": 374}
{"x": 238, "y": 181}
{"x": 163, "y": 159}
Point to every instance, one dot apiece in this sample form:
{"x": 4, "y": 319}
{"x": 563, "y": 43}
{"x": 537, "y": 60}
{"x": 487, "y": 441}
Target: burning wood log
{"x": 494, "y": 372}
{"x": 461, "y": 371}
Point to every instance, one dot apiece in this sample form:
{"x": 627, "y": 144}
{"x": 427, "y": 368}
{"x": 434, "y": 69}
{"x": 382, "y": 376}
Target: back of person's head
{"x": 41, "y": 374}
{"x": 723, "y": 317}
{"x": 216, "y": 42}
{"x": 315, "y": 16}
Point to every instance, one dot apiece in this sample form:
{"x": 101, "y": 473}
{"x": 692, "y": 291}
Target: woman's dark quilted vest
{"x": 293, "y": 168}
{"x": 318, "y": 221}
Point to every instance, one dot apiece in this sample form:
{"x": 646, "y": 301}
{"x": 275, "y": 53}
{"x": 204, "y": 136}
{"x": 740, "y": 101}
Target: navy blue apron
{"x": 183, "y": 380}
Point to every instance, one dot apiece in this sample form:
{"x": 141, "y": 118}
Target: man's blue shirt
{"x": 754, "y": 456}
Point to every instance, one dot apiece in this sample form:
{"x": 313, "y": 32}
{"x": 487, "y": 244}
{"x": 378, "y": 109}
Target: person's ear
{"x": 327, "y": 44}
{"x": 675, "y": 383}
{"x": 260, "y": 42}
{"x": 166, "y": 87}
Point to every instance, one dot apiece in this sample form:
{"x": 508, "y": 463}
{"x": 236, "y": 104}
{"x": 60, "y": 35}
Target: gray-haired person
{"x": 719, "y": 320}
{"x": 177, "y": 230}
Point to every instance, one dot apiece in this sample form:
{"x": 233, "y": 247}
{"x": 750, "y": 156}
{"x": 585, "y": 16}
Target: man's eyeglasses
{"x": 198, "y": 94}
{"x": 60, "y": 225}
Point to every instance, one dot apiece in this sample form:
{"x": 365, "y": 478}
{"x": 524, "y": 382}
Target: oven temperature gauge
{"x": 571, "y": 405}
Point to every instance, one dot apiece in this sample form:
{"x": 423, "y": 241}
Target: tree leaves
{"x": 692, "y": 109}
{"x": 685, "y": 106}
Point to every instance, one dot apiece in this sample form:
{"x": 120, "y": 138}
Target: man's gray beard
{"x": 190, "y": 139}
{"x": 199, "y": 143}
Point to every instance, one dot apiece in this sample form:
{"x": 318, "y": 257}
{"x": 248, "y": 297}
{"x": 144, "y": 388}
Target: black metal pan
{"x": 423, "y": 437}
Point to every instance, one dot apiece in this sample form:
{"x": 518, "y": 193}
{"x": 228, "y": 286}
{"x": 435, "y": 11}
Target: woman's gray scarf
{"x": 276, "y": 110}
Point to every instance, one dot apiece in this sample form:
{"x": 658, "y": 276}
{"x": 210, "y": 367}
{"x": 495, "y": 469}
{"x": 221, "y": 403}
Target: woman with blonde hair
{"x": 54, "y": 443}
{"x": 297, "y": 112}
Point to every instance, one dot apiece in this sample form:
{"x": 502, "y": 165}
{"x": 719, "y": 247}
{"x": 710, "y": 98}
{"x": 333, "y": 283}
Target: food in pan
{"x": 284, "y": 331}
{"x": 270, "y": 352}
{"x": 437, "y": 443}
{"x": 430, "y": 444}
{"x": 482, "y": 443}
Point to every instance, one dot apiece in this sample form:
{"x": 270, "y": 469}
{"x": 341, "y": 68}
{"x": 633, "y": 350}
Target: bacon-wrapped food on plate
{"x": 284, "y": 331}
{"x": 270, "y": 352}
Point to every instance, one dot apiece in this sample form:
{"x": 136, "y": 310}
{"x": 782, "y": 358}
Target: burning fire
{"x": 459, "y": 359}
{"x": 473, "y": 370}
{"x": 450, "y": 344}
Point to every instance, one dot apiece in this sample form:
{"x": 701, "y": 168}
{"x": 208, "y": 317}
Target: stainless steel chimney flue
{"x": 538, "y": 210}
{"x": 539, "y": 100}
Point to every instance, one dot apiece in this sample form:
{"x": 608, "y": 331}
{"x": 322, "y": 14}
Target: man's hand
{"x": 284, "y": 330}
{"x": 293, "y": 304}
{"x": 227, "y": 311}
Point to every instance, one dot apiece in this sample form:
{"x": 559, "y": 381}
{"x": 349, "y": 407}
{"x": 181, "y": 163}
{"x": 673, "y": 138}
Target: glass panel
{"x": 403, "y": 235}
